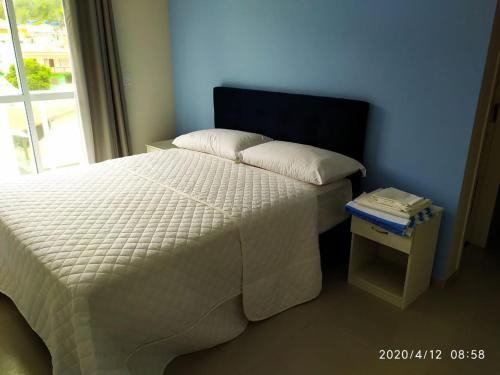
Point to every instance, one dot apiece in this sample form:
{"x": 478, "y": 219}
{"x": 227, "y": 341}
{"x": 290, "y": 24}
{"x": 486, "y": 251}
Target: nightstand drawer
{"x": 377, "y": 234}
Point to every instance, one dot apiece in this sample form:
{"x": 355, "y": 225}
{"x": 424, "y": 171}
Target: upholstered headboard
{"x": 334, "y": 124}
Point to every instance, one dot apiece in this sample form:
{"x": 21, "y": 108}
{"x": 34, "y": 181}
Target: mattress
{"x": 332, "y": 199}
{"x": 109, "y": 260}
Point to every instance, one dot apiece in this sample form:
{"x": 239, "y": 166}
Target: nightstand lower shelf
{"x": 381, "y": 278}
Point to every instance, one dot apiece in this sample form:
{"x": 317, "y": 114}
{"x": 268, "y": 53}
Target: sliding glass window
{"x": 40, "y": 127}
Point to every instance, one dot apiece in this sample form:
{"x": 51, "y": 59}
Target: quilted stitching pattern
{"x": 105, "y": 259}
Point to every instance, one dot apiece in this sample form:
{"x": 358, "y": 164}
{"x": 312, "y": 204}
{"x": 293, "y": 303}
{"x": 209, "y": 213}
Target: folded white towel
{"x": 365, "y": 201}
{"x": 395, "y": 198}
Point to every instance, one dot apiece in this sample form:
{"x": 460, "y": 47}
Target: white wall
{"x": 144, "y": 45}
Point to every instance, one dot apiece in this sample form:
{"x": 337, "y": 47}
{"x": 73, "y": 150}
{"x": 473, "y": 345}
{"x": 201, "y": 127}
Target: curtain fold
{"x": 96, "y": 63}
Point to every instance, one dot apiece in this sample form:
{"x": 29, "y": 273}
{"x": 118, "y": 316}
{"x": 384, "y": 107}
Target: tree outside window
{"x": 38, "y": 75}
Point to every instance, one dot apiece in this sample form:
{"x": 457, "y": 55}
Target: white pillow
{"x": 225, "y": 143}
{"x": 302, "y": 162}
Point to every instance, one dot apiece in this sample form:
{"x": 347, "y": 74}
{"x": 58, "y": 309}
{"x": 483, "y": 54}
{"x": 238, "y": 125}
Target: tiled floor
{"x": 341, "y": 332}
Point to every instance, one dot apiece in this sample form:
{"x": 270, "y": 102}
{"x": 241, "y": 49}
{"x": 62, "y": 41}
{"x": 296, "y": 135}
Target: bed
{"x": 123, "y": 265}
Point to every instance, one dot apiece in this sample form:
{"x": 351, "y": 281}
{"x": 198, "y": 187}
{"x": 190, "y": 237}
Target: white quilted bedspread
{"x": 106, "y": 259}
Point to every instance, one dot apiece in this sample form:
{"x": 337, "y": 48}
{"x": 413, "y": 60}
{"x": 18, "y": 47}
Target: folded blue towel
{"x": 390, "y": 223}
{"x": 390, "y": 226}
{"x": 422, "y": 216}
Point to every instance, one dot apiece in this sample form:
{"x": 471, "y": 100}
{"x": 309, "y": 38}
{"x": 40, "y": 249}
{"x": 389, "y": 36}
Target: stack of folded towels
{"x": 391, "y": 209}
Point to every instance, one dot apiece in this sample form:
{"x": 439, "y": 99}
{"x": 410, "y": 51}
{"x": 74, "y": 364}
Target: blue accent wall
{"x": 418, "y": 62}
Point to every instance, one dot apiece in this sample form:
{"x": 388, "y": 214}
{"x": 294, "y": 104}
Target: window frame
{"x": 27, "y": 97}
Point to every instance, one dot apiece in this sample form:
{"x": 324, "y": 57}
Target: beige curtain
{"x": 98, "y": 77}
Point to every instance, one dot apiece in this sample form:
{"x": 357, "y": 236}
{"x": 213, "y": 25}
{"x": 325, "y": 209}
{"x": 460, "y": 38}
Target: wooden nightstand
{"x": 394, "y": 268}
{"x": 161, "y": 145}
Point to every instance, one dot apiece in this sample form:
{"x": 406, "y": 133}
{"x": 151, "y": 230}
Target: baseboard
{"x": 443, "y": 283}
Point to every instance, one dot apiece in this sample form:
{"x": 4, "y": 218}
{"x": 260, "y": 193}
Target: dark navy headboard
{"x": 331, "y": 123}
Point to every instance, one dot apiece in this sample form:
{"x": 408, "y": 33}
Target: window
{"x": 40, "y": 126}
